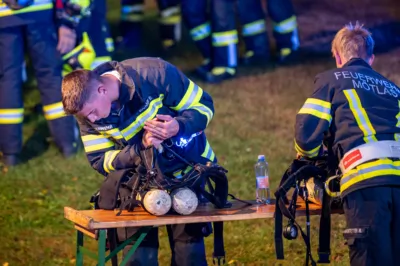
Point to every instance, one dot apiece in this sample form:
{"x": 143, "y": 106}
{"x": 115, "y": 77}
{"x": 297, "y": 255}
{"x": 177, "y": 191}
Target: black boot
{"x": 218, "y": 76}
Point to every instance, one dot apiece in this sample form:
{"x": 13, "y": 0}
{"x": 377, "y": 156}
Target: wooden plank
{"x": 89, "y": 233}
{"x": 102, "y": 219}
{"x": 78, "y": 217}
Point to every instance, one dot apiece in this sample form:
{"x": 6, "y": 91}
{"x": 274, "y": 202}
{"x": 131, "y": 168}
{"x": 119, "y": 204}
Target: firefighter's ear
{"x": 102, "y": 89}
{"x": 339, "y": 61}
{"x": 371, "y": 60}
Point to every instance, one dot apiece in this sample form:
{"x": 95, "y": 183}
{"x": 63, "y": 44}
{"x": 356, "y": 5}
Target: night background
{"x": 254, "y": 114}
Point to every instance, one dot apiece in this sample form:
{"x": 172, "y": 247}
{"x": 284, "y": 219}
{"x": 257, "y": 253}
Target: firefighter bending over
{"x": 124, "y": 107}
{"x": 357, "y": 112}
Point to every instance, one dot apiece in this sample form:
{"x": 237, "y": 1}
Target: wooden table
{"x": 99, "y": 223}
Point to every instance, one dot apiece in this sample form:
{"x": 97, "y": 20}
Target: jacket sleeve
{"x": 313, "y": 120}
{"x": 102, "y": 153}
{"x": 195, "y": 107}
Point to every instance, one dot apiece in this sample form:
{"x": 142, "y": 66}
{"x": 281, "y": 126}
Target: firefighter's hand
{"x": 66, "y": 39}
{"x": 162, "y": 127}
{"x": 149, "y": 139}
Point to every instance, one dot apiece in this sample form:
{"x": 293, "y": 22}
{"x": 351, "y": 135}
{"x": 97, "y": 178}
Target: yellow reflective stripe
{"x": 11, "y": 116}
{"x": 178, "y": 174}
{"x": 108, "y": 160}
{"x": 310, "y": 153}
{"x": 253, "y": 28}
{"x": 54, "y": 111}
{"x": 170, "y": 20}
{"x": 110, "y": 44}
{"x": 369, "y": 170}
{"x": 286, "y": 26}
{"x": 318, "y": 108}
{"x": 33, "y": 8}
{"x": 132, "y": 17}
{"x": 201, "y": 32}
{"x": 222, "y": 70}
{"x": 113, "y": 133}
{"x": 360, "y": 115}
{"x": 96, "y": 143}
{"x": 147, "y": 114}
{"x": 192, "y": 96}
{"x": 397, "y": 135}
{"x": 322, "y": 103}
{"x": 208, "y": 152}
{"x": 224, "y": 38}
{"x": 204, "y": 110}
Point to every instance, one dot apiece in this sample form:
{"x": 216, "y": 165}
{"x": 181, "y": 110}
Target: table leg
{"x": 112, "y": 239}
{"x": 79, "y": 244}
{"x": 102, "y": 248}
{"x": 142, "y": 234}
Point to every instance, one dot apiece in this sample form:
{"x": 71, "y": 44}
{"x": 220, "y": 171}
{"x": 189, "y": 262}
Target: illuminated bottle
{"x": 262, "y": 181}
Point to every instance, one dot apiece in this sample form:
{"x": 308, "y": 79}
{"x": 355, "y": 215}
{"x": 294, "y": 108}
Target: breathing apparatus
{"x": 311, "y": 181}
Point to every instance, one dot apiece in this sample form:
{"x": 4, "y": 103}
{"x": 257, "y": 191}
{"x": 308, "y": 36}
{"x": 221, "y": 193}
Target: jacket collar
{"x": 127, "y": 89}
{"x": 357, "y": 62}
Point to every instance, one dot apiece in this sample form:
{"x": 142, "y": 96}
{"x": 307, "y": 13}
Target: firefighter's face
{"x": 98, "y": 106}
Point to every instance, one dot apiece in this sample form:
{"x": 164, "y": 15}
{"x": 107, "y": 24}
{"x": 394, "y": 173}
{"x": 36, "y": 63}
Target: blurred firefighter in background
{"x": 34, "y": 22}
{"x": 94, "y": 45}
{"x": 212, "y": 26}
{"x": 132, "y": 13}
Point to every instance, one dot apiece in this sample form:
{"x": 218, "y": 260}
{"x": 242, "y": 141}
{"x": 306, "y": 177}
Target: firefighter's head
{"x": 353, "y": 41}
{"x": 89, "y": 95}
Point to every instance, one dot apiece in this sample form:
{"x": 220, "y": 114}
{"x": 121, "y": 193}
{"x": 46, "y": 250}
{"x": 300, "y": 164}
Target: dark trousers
{"x": 373, "y": 226}
{"x": 41, "y": 43}
{"x": 186, "y": 242}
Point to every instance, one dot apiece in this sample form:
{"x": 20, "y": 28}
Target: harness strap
{"x": 219, "y": 251}
{"x": 278, "y": 230}
{"x": 325, "y": 230}
{"x": 110, "y": 188}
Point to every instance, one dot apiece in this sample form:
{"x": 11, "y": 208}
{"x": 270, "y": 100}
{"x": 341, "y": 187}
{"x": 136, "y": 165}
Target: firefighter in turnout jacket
{"x": 355, "y": 111}
{"x": 33, "y": 22}
{"x": 95, "y": 44}
{"x": 123, "y": 107}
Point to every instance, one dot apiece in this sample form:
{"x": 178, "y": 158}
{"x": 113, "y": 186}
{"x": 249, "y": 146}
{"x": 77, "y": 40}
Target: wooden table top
{"x": 102, "y": 219}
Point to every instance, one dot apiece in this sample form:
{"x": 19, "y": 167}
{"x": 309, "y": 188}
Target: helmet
{"x": 184, "y": 201}
{"x": 80, "y": 57}
{"x": 156, "y": 202}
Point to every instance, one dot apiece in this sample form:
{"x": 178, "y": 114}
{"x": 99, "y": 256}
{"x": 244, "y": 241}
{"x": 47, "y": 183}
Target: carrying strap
{"x": 325, "y": 230}
{"x": 292, "y": 180}
{"x": 219, "y": 251}
{"x": 278, "y": 230}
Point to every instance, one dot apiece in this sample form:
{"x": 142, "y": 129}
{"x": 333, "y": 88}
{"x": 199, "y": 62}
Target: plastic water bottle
{"x": 262, "y": 181}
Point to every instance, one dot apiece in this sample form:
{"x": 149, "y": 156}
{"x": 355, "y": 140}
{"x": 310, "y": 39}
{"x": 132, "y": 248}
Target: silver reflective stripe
{"x": 369, "y": 151}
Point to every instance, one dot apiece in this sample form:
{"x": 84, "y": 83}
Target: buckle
{"x": 323, "y": 257}
{"x": 219, "y": 259}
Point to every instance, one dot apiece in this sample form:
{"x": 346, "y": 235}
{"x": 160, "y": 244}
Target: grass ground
{"x": 254, "y": 115}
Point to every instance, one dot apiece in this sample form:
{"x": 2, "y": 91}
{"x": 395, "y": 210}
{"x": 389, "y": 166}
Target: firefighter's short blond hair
{"x": 77, "y": 88}
{"x": 353, "y": 41}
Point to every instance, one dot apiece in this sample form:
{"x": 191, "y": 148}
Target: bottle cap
{"x": 261, "y": 157}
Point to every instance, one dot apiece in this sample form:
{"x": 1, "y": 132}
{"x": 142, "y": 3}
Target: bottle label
{"x": 262, "y": 182}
